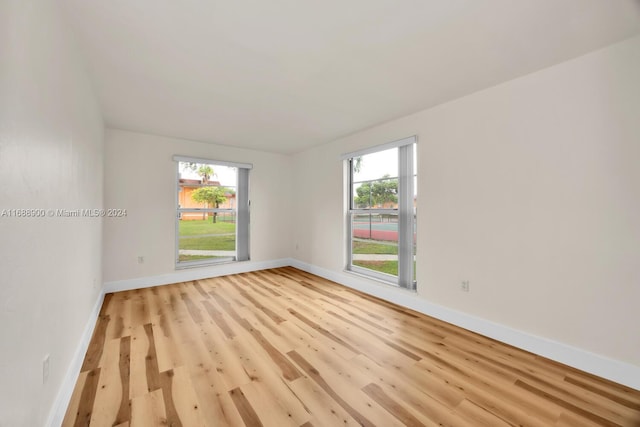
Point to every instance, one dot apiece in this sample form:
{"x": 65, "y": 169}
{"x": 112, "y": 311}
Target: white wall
{"x": 140, "y": 177}
{"x": 51, "y": 136}
{"x": 530, "y": 190}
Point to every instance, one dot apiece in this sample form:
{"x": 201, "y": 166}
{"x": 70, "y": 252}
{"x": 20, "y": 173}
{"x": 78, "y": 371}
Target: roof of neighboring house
{"x": 198, "y": 183}
{"x": 194, "y": 182}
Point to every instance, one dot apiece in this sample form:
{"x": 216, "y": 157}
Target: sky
{"x": 378, "y": 164}
{"x": 226, "y": 175}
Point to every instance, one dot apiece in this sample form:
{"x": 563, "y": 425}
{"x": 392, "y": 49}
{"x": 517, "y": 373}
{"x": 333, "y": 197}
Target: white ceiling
{"x": 285, "y": 75}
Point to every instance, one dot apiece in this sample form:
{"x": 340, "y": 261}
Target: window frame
{"x": 241, "y": 211}
{"x": 405, "y": 212}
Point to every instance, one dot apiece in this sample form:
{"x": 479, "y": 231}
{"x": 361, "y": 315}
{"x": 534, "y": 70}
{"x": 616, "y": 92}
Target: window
{"x": 381, "y": 214}
{"x": 212, "y": 219}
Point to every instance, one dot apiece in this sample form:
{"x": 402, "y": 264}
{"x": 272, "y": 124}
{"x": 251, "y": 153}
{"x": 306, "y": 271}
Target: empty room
{"x": 286, "y": 213}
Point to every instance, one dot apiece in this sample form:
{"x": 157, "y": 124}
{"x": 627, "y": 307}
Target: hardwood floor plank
{"x": 478, "y": 415}
{"x": 568, "y": 419}
{"x": 332, "y": 362}
{"x": 271, "y": 411}
{"x": 87, "y": 399}
{"x": 124, "y": 364}
{"x": 315, "y": 375}
{"x": 73, "y": 410}
{"x": 151, "y": 361}
{"x": 266, "y": 310}
{"x": 265, "y": 276}
{"x": 376, "y": 326}
{"x": 206, "y": 346}
{"x": 425, "y": 398}
{"x": 137, "y": 362}
{"x": 148, "y": 410}
{"x": 316, "y": 327}
{"x": 397, "y": 410}
{"x": 198, "y": 286}
{"x": 96, "y": 345}
{"x": 109, "y": 388}
{"x": 245, "y": 409}
{"x": 194, "y": 311}
{"x": 121, "y": 323}
{"x": 288, "y": 370}
{"x": 606, "y": 408}
{"x": 493, "y": 393}
{"x": 610, "y": 395}
{"x": 219, "y": 319}
{"x": 322, "y": 408}
{"x": 140, "y": 314}
{"x": 166, "y": 385}
{"x": 167, "y": 353}
{"x": 211, "y": 381}
{"x": 283, "y": 347}
{"x": 267, "y": 381}
{"x": 585, "y": 413}
{"x": 375, "y": 348}
{"x": 352, "y": 398}
{"x": 217, "y": 407}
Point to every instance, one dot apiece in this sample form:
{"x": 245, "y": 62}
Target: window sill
{"x": 379, "y": 280}
{"x": 204, "y": 263}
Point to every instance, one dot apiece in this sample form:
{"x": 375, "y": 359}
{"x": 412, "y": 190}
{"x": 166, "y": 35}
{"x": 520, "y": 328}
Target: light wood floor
{"x": 285, "y": 348}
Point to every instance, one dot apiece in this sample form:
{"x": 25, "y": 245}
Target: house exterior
{"x": 185, "y": 199}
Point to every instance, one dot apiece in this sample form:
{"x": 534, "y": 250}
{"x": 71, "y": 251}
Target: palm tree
{"x": 205, "y": 172}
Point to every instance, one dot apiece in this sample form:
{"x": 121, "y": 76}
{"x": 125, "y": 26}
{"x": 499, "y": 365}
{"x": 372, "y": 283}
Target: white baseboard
{"x": 56, "y": 414}
{"x": 193, "y": 274}
{"x": 614, "y": 370}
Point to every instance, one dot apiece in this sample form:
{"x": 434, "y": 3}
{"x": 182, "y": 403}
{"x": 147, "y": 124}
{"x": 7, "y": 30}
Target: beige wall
{"x": 529, "y": 190}
{"x": 140, "y": 177}
{"x": 51, "y": 135}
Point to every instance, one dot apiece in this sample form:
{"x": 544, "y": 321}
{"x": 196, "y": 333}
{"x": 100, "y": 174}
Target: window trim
{"x": 188, "y": 159}
{"x": 370, "y": 150}
{"x": 405, "y": 212}
{"x": 241, "y": 211}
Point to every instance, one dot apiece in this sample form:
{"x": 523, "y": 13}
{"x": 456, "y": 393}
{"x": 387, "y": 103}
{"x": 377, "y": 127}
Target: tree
{"x": 212, "y": 196}
{"x": 204, "y": 171}
{"x": 377, "y": 193}
{"x": 357, "y": 164}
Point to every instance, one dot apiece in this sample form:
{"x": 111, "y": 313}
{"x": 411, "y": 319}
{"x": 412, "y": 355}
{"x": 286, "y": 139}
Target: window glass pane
{"x": 415, "y": 204}
{"x": 205, "y": 239}
{"x": 222, "y": 181}
{"x": 375, "y": 242}
{"x": 375, "y": 180}
{"x": 382, "y": 214}
{"x": 208, "y": 234}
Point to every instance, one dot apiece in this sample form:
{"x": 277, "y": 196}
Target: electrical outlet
{"x": 464, "y": 285}
{"x": 140, "y": 259}
{"x": 45, "y": 369}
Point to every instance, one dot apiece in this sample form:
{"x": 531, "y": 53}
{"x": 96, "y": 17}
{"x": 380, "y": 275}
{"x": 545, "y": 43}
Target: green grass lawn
{"x": 210, "y": 243}
{"x": 374, "y": 247}
{"x": 194, "y": 228}
{"x": 389, "y": 267}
